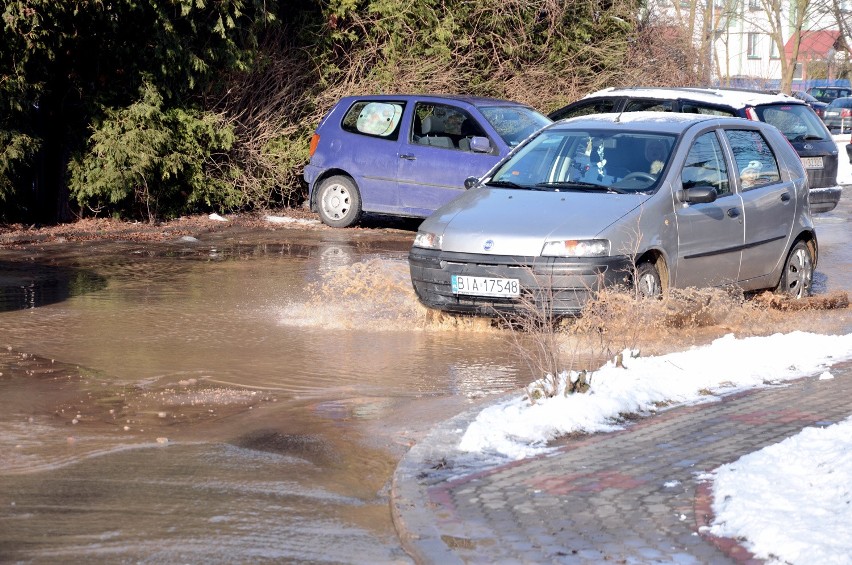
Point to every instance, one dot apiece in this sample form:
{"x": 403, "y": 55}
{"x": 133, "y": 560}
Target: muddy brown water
{"x": 242, "y": 397}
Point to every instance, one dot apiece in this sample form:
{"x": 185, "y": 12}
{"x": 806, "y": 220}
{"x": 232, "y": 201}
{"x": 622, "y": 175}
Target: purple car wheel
{"x": 339, "y": 202}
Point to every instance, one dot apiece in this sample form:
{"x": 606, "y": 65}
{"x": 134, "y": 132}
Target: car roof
{"x": 661, "y": 122}
{"x": 719, "y": 96}
{"x": 472, "y": 100}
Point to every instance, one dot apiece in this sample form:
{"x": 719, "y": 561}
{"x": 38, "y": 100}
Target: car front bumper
{"x": 824, "y": 199}
{"x": 552, "y": 285}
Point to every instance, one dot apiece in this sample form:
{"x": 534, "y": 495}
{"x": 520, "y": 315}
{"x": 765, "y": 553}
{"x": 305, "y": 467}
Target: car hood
{"x": 498, "y": 221}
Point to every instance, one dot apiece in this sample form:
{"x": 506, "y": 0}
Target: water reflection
{"x": 31, "y": 285}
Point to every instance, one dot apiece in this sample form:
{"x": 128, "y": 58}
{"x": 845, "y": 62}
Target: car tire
{"x": 339, "y": 202}
{"x": 648, "y": 283}
{"x": 798, "y": 273}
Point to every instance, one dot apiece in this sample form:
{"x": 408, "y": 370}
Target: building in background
{"x": 754, "y": 43}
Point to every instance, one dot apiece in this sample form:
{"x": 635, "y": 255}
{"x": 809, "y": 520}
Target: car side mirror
{"x": 698, "y": 194}
{"x": 480, "y": 144}
{"x": 471, "y": 182}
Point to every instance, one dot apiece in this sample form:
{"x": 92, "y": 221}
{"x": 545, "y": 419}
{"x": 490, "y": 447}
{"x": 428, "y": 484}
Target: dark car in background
{"x": 797, "y": 121}
{"x": 838, "y": 115}
{"x": 828, "y": 93}
{"x": 819, "y": 107}
{"x": 406, "y": 155}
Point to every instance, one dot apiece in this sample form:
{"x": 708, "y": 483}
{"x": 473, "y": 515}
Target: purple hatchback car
{"x": 406, "y": 155}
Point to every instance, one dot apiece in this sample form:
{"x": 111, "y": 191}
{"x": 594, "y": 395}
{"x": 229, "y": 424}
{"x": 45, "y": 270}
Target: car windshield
{"x": 588, "y": 161}
{"x": 514, "y": 123}
{"x": 797, "y": 122}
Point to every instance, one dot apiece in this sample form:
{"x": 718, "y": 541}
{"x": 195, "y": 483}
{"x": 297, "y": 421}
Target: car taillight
{"x": 845, "y": 113}
{"x": 751, "y": 114}
{"x": 314, "y": 143}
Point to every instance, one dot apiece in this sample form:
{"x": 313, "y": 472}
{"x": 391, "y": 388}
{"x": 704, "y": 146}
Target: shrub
{"x": 156, "y": 160}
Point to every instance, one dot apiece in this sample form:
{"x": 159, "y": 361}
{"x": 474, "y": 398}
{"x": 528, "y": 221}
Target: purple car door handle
{"x": 407, "y": 156}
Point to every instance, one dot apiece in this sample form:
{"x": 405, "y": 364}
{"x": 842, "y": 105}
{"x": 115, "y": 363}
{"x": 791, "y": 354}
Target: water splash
{"x": 372, "y": 295}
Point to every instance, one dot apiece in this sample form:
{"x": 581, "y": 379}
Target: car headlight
{"x": 576, "y": 248}
{"x": 427, "y": 240}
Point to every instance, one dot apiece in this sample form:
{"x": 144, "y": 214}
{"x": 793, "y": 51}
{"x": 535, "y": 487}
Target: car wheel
{"x": 648, "y": 281}
{"x": 798, "y": 272}
{"x": 339, "y": 202}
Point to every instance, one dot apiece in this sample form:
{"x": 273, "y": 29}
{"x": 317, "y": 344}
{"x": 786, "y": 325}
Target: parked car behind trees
{"x": 406, "y": 155}
{"x": 657, "y": 200}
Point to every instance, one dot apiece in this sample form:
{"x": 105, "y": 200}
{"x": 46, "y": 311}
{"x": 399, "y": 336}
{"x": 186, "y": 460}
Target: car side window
{"x": 375, "y": 119}
{"x": 649, "y": 106}
{"x": 695, "y": 108}
{"x": 442, "y": 125}
{"x": 705, "y": 165}
{"x": 756, "y": 163}
{"x": 601, "y": 106}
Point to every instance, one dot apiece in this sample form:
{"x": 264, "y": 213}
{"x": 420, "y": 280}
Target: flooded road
{"x": 245, "y": 397}
{"x": 241, "y": 397}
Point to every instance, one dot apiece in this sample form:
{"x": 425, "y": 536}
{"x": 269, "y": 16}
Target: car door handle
{"x": 785, "y": 197}
{"x": 733, "y": 213}
{"x": 408, "y": 157}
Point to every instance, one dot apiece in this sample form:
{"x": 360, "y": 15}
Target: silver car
{"x": 659, "y": 200}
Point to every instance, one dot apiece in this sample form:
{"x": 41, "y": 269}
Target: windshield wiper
{"x": 579, "y": 185}
{"x": 507, "y": 184}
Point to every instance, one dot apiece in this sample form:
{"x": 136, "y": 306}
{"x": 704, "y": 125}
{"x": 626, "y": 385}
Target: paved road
{"x": 633, "y": 496}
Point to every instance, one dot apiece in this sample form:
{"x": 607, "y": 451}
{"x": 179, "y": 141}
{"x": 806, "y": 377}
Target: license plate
{"x": 812, "y": 162}
{"x": 486, "y": 286}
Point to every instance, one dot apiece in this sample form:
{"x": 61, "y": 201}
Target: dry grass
{"x": 562, "y": 355}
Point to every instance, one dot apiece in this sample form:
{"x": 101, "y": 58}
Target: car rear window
{"x": 379, "y": 119}
{"x": 798, "y": 122}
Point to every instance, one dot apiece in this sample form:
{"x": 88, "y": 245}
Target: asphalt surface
{"x": 631, "y": 496}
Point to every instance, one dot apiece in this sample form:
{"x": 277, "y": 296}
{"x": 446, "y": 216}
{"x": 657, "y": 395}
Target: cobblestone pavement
{"x": 632, "y": 496}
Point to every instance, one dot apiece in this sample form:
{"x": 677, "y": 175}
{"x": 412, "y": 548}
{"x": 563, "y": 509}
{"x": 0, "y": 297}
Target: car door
{"x": 368, "y": 150}
{"x": 436, "y": 157}
{"x": 710, "y": 235}
{"x": 769, "y": 203}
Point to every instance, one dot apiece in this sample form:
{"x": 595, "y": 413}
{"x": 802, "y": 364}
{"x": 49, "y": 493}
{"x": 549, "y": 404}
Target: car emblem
{"x": 489, "y": 243}
{"x": 807, "y": 146}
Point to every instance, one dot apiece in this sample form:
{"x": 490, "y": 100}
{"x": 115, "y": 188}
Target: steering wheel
{"x": 640, "y": 175}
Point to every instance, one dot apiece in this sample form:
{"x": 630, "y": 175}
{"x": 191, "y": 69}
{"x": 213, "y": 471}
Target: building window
{"x": 754, "y": 5}
{"x": 753, "y": 40}
{"x": 797, "y": 72}
{"x": 773, "y": 49}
